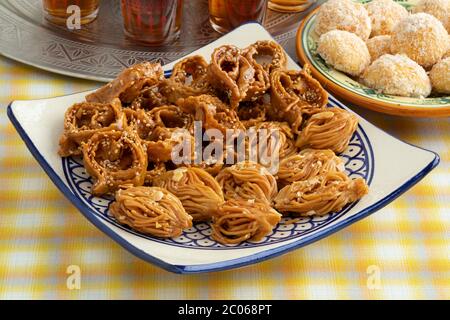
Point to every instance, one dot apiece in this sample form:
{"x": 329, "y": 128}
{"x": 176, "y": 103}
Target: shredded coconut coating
{"x": 379, "y": 46}
{"x": 343, "y": 15}
{"x": 397, "y": 75}
{"x": 440, "y": 76}
{"x": 384, "y": 15}
{"x": 437, "y": 8}
{"x": 344, "y": 51}
{"x": 420, "y": 37}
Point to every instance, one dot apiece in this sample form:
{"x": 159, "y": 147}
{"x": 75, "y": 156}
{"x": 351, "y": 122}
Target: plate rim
{"x": 359, "y": 99}
{"x": 223, "y": 265}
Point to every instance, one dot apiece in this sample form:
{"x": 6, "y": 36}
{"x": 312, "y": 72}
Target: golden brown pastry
{"x": 149, "y": 98}
{"x": 212, "y": 112}
{"x": 84, "y": 119}
{"x": 172, "y": 127}
{"x": 307, "y": 164}
{"x": 129, "y": 83}
{"x": 140, "y": 121}
{"x": 114, "y": 158}
{"x": 264, "y": 50}
{"x": 240, "y": 220}
{"x": 230, "y": 73}
{"x": 297, "y": 88}
{"x": 150, "y": 210}
{"x": 248, "y": 181}
{"x": 320, "y": 195}
{"x": 280, "y": 141}
{"x": 188, "y": 79}
{"x": 198, "y": 191}
{"x": 330, "y": 129}
{"x": 295, "y": 94}
{"x": 252, "y": 113}
{"x": 154, "y": 170}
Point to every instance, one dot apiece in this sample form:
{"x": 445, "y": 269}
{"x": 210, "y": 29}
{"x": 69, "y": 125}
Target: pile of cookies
{"x": 387, "y": 48}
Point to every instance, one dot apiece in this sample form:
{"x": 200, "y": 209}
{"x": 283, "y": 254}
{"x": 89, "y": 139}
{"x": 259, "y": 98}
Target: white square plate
{"x": 389, "y": 166}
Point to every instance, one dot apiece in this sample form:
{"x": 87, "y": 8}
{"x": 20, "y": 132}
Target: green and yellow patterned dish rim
{"x": 356, "y": 93}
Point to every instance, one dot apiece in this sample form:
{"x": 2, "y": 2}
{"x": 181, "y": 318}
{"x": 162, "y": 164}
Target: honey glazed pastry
{"x": 129, "y": 134}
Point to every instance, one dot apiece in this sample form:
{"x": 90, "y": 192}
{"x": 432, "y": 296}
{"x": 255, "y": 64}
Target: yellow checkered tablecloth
{"x": 406, "y": 245}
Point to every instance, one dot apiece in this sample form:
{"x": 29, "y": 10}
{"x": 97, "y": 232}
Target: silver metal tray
{"x": 100, "y": 50}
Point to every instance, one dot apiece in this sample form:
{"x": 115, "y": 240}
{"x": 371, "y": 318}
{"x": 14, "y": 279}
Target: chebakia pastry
{"x": 149, "y": 98}
{"x": 260, "y": 82}
{"x": 421, "y": 37}
{"x": 188, "y": 79}
{"x": 320, "y": 195}
{"x": 114, "y": 158}
{"x": 172, "y": 127}
{"x": 343, "y": 15}
{"x": 197, "y": 190}
{"x": 150, "y": 210}
{"x": 154, "y": 170}
{"x": 170, "y": 117}
{"x": 294, "y": 94}
{"x": 140, "y": 121}
{"x": 440, "y": 9}
{"x": 240, "y": 220}
{"x": 212, "y": 112}
{"x": 230, "y": 73}
{"x": 329, "y": 129}
{"x": 345, "y": 51}
{"x": 278, "y": 138}
{"x": 84, "y": 119}
{"x": 307, "y": 164}
{"x": 248, "y": 181}
{"x": 270, "y": 55}
{"x": 397, "y": 75}
{"x": 378, "y": 46}
{"x": 440, "y": 76}
{"x": 384, "y": 15}
{"x": 262, "y": 127}
{"x": 252, "y": 113}
{"x": 128, "y": 84}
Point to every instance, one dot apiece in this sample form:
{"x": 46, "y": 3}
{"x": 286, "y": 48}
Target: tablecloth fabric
{"x": 41, "y": 234}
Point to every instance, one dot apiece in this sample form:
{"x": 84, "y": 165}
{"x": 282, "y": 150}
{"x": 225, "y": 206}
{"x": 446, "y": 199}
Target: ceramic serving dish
{"x": 389, "y": 166}
{"x": 347, "y": 88}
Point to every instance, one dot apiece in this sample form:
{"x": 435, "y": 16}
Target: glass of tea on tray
{"x": 152, "y": 21}
{"x": 225, "y": 15}
{"x": 58, "y": 11}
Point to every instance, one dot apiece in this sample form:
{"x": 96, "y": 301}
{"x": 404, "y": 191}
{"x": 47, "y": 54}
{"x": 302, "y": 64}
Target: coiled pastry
{"x": 252, "y": 113}
{"x": 212, "y": 113}
{"x": 140, "y": 121}
{"x": 150, "y": 210}
{"x": 230, "y": 73}
{"x": 279, "y": 138}
{"x": 114, "y": 158}
{"x": 154, "y": 170}
{"x": 307, "y": 164}
{"x": 240, "y": 220}
{"x": 198, "y": 191}
{"x": 129, "y": 83}
{"x": 188, "y": 79}
{"x": 296, "y": 89}
{"x": 248, "y": 181}
{"x": 260, "y": 50}
{"x": 149, "y": 98}
{"x": 84, "y": 119}
{"x": 172, "y": 127}
{"x": 319, "y": 195}
{"x": 329, "y": 129}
